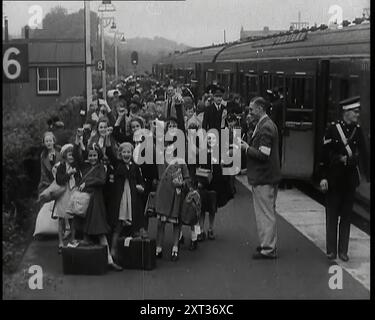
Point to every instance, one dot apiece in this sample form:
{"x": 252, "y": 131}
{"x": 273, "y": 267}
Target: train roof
{"x": 190, "y": 57}
{"x": 349, "y": 41}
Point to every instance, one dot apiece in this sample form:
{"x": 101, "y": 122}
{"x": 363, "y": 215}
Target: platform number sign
{"x": 100, "y": 65}
{"x": 15, "y": 62}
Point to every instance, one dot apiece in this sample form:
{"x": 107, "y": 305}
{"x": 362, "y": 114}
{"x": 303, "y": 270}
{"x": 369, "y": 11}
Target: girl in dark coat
{"x": 144, "y": 142}
{"x": 170, "y": 194}
{"x": 219, "y": 184}
{"x": 93, "y": 179}
{"x": 125, "y": 206}
{"x": 48, "y": 158}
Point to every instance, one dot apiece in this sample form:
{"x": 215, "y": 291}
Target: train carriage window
{"x": 231, "y": 82}
{"x": 241, "y": 85}
{"x": 266, "y": 83}
{"x": 252, "y": 87}
{"x": 300, "y": 99}
{"x": 277, "y": 81}
{"x": 209, "y": 77}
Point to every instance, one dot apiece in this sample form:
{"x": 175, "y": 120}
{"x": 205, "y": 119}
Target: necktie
{"x": 169, "y": 108}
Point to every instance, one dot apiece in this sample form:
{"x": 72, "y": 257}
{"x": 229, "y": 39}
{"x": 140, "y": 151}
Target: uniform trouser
{"x": 264, "y": 200}
{"x": 339, "y": 203}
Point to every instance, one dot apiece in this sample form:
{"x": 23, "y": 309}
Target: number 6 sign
{"x": 15, "y": 63}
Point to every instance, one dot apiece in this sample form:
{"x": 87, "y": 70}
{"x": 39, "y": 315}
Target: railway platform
{"x": 223, "y": 268}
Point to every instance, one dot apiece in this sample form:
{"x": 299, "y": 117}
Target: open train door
{"x": 298, "y": 130}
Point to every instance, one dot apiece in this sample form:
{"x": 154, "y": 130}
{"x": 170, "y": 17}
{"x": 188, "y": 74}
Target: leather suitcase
{"x": 88, "y": 260}
{"x": 136, "y": 253}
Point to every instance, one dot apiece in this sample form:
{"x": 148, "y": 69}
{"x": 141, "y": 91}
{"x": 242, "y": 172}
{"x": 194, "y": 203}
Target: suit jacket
{"x": 263, "y": 165}
{"x": 212, "y": 117}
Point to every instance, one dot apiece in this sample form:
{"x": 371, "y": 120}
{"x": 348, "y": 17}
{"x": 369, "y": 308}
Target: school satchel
{"x": 52, "y": 192}
{"x": 78, "y": 204}
{"x": 87, "y": 260}
{"x": 150, "y": 210}
{"x": 191, "y": 208}
{"x": 136, "y": 253}
{"x": 204, "y": 173}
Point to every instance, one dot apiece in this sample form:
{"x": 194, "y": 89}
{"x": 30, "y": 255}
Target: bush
{"x": 22, "y": 134}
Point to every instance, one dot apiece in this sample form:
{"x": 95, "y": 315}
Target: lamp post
{"x": 106, "y": 6}
{"x": 122, "y": 39}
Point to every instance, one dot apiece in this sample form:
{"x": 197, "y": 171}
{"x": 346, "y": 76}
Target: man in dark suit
{"x": 264, "y": 175}
{"x": 215, "y": 113}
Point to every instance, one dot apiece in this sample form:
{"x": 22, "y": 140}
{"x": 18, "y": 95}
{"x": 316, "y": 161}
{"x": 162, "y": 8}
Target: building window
{"x": 48, "y": 80}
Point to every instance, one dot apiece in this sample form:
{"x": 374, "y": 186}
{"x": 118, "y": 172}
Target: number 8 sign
{"x": 15, "y": 62}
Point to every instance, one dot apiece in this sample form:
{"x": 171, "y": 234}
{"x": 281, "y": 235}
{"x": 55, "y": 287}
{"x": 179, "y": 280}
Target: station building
{"x": 56, "y": 72}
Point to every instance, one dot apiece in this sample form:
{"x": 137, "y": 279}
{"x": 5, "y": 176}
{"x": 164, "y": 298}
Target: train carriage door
{"x": 210, "y": 76}
{"x": 252, "y": 87}
{"x": 298, "y": 134}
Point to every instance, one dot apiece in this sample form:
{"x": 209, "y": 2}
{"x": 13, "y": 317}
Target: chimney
{"x": 6, "y": 32}
{"x": 27, "y": 30}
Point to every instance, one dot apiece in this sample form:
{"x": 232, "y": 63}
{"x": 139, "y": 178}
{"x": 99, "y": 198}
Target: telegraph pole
{"x": 104, "y": 80}
{"x": 116, "y": 65}
{"x": 88, "y": 58}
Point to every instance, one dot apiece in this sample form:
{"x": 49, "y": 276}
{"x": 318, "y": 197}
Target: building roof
{"x": 246, "y": 34}
{"x": 44, "y": 52}
{"x": 56, "y": 52}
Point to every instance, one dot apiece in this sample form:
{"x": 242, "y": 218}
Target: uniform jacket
{"x": 263, "y": 165}
{"x": 338, "y": 174}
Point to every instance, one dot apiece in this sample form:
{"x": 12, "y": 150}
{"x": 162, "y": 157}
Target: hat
{"x": 218, "y": 91}
{"x": 350, "y": 104}
{"x": 65, "y": 148}
{"x": 126, "y": 145}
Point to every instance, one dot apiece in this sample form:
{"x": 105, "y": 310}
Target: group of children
{"x": 101, "y": 163}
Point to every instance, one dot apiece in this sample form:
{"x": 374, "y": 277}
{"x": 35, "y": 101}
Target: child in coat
{"x": 125, "y": 208}
{"x": 170, "y": 193}
{"x": 94, "y": 224}
{"x": 66, "y": 175}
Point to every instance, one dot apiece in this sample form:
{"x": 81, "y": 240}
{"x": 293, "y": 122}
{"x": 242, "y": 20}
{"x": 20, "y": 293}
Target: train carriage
{"x": 315, "y": 70}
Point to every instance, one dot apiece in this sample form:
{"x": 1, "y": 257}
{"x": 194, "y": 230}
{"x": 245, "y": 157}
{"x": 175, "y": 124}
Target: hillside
{"x": 149, "y": 51}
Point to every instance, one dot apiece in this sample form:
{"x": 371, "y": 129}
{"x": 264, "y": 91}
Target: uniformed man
{"x": 343, "y": 144}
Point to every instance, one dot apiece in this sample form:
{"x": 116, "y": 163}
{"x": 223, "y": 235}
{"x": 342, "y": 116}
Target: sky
{"x": 197, "y": 22}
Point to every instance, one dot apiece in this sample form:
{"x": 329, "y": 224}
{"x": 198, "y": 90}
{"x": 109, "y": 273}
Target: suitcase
{"x": 136, "y": 253}
{"x": 88, "y": 260}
